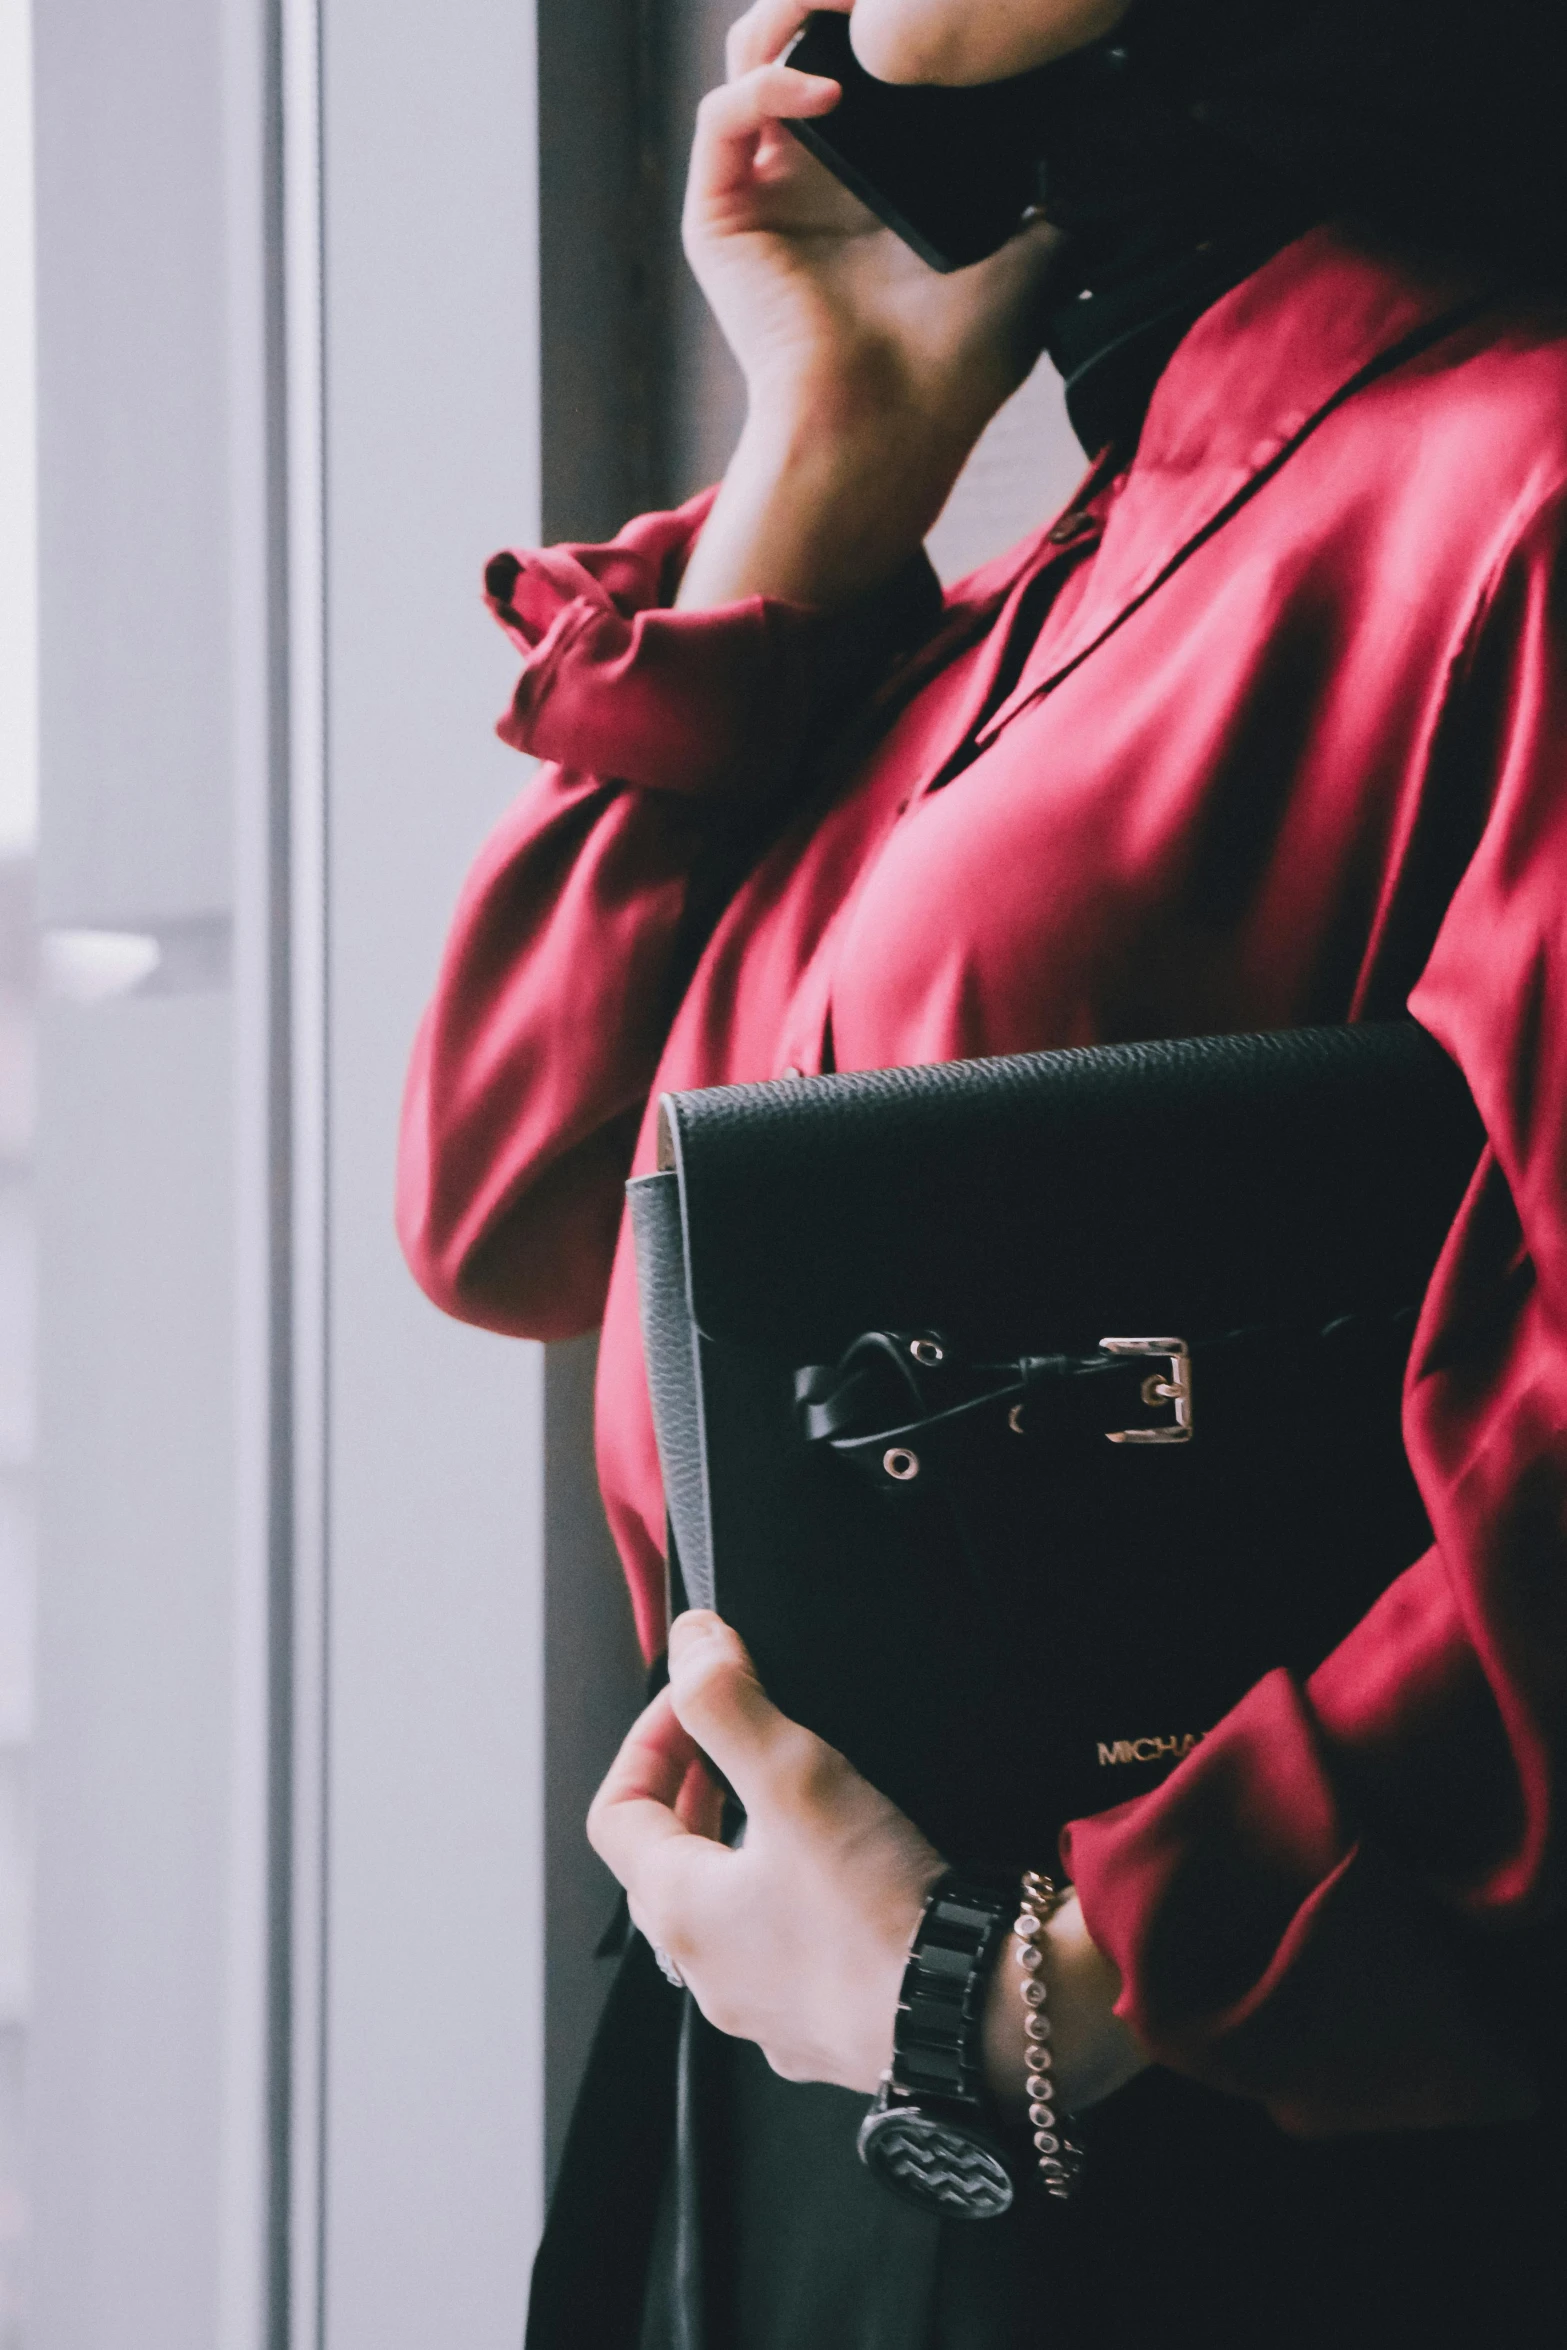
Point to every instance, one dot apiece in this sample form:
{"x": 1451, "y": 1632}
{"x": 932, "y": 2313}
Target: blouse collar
{"x": 1250, "y": 381}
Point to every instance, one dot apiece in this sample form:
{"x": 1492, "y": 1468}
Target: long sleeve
{"x": 668, "y": 735}
{"x": 1345, "y": 1902}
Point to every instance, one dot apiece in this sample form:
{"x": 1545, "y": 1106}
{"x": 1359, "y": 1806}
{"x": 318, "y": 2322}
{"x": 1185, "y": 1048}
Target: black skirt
{"x": 705, "y": 2204}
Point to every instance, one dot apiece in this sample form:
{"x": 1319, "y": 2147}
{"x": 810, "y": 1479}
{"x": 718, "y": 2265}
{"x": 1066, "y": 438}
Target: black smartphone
{"x": 952, "y": 171}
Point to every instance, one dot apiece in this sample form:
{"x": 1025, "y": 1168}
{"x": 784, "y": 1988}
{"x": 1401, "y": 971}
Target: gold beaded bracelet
{"x": 1060, "y": 2160}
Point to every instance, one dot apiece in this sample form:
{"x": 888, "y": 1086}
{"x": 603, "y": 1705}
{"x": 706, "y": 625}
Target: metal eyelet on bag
{"x": 926, "y": 1351}
{"x": 900, "y": 1463}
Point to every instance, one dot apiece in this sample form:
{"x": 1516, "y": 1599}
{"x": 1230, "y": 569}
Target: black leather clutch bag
{"x": 1021, "y": 1413}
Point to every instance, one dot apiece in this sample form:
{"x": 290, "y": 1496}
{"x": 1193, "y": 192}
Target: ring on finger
{"x": 666, "y": 1966}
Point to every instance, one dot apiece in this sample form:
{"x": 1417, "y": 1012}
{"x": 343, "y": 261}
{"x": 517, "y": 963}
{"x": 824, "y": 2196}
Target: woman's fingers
{"x": 766, "y": 29}
{"x": 654, "y": 1823}
{"x": 723, "y": 1705}
{"x": 700, "y": 1803}
{"x": 736, "y": 138}
{"x": 735, "y": 114}
{"x": 634, "y": 1811}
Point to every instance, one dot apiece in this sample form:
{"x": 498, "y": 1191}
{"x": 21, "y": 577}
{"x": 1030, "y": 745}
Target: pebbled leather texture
{"x": 1045, "y": 1199}
{"x": 669, "y": 1345}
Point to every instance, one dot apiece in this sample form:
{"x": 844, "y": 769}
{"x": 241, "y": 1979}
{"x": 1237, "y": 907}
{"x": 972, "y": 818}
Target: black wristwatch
{"x": 930, "y": 2136}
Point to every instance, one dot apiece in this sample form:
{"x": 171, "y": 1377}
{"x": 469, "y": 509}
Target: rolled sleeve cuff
{"x": 616, "y": 683}
{"x": 1268, "y": 1949}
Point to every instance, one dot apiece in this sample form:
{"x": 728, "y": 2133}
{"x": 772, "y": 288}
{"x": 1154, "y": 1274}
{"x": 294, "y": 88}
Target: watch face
{"x": 944, "y": 2165}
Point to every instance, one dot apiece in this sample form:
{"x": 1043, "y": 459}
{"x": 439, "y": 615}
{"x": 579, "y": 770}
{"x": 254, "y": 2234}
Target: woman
{"x": 1266, "y": 729}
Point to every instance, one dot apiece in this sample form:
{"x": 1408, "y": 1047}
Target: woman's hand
{"x": 824, "y": 308}
{"x": 798, "y": 1939}
{"x": 870, "y": 375}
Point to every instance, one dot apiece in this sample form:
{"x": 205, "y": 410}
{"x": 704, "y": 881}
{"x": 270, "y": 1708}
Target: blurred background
{"x": 311, "y": 1641}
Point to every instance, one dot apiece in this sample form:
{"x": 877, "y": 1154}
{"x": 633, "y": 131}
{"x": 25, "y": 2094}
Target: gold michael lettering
{"x": 1146, "y": 1750}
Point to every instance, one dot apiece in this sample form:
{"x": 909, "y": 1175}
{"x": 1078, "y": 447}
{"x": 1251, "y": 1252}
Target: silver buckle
{"x": 1175, "y": 1390}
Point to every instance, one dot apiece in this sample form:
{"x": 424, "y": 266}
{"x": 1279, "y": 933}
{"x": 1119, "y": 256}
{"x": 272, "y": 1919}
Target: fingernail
{"x": 687, "y": 1631}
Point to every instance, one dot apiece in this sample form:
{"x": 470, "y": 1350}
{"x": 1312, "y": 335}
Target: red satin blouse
{"x": 1270, "y": 728}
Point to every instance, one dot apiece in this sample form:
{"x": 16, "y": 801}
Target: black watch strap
{"x": 937, "y": 2050}
{"x": 927, "y": 2137}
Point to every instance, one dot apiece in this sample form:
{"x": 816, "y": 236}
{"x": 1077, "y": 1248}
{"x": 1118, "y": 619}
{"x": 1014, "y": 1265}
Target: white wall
{"x": 134, "y": 1697}
{"x": 435, "y": 1867}
{"x": 140, "y": 746}
{"x": 18, "y": 645}
{"x": 1025, "y": 468}
{"x": 18, "y": 795}
{"x": 17, "y": 1577}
